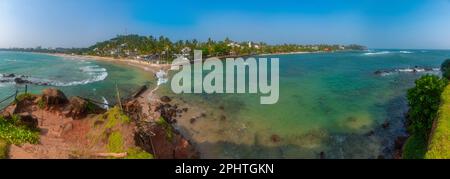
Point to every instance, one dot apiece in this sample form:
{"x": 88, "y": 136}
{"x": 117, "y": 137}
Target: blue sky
{"x": 375, "y": 23}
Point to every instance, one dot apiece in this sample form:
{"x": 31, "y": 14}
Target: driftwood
{"x": 115, "y": 155}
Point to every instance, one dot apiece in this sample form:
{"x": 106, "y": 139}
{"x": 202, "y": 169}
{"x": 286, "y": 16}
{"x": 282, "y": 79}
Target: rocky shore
{"x": 78, "y": 128}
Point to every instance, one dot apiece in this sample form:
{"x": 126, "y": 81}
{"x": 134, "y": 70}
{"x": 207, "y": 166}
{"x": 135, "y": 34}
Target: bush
{"x": 424, "y": 101}
{"x": 439, "y": 147}
{"x": 17, "y": 134}
{"x": 445, "y": 68}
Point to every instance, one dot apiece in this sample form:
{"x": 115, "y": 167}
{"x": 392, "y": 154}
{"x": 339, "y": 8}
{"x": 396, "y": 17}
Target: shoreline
{"x": 125, "y": 61}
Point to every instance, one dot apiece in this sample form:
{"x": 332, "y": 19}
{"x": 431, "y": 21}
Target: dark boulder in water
{"x": 378, "y": 72}
{"x": 9, "y": 75}
{"x": 385, "y": 125}
{"x": 20, "y": 81}
{"x": 322, "y": 155}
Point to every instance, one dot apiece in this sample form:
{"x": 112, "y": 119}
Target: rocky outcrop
{"x": 165, "y": 99}
{"x": 20, "y": 80}
{"x": 53, "y": 97}
{"x": 79, "y": 108}
{"x": 29, "y": 121}
{"x": 153, "y": 139}
{"x": 169, "y": 112}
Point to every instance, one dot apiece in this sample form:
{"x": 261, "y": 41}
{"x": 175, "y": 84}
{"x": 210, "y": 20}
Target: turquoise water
{"x": 329, "y": 102}
{"x": 87, "y": 78}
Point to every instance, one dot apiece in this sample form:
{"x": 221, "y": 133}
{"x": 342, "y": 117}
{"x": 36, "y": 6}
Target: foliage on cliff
{"x": 13, "y": 132}
{"x": 424, "y": 100}
{"x": 445, "y": 68}
{"x": 439, "y": 147}
{"x": 3, "y": 149}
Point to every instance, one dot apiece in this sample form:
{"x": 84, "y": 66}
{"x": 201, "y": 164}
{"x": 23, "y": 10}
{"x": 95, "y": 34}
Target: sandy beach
{"x": 142, "y": 65}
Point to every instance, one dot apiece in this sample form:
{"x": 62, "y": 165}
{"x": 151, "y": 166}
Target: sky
{"x": 402, "y": 24}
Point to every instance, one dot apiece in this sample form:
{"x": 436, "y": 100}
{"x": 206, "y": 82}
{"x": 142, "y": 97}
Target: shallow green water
{"x": 329, "y": 102}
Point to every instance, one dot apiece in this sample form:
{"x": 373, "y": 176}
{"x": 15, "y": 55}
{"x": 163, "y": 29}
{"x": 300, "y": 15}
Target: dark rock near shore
{"x": 153, "y": 139}
{"x": 398, "y": 146}
{"x": 166, "y": 99}
{"x": 133, "y": 109}
{"x": 79, "y": 108}
{"x": 20, "y": 81}
{"x": 378, "y": 72}
{"x": 168, "y": 112}
{"x": 193, "y": 120}
{"x": 275, "y": 138}
{"x": 386, "y": 125}
{"x": 322, "y": 155}
{"x": 9, "y": 75}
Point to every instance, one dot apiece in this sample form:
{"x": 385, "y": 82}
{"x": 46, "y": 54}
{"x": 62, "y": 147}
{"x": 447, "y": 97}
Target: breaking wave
{"x": 371, "y": 53}
{"x": 377, "y": 53}
{"x": 95, "y": 74}
{"x": 408, "y": 70}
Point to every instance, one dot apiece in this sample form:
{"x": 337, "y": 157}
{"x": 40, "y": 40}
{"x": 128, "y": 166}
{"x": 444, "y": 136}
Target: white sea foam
{"x": 95, "y": 74}
{"x": 371, "y": 53}
{"x": 95, "y": 78}
{"x": 377, "y": 53}
{"x": 93, "y": 68}
{"x": 410, "y": 70}
{"x": 10, "y": 60}
{"x": 6, "y": 84}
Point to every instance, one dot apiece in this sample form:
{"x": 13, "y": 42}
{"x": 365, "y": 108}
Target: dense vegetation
{"x": 132, "y": 46}
{"x": 113, "y": 119}
{"x": 3, "y": 149}
{"x": 424, "y": 101}
{"x": 439, "y": 147}
{"x": 445, "y": 68}
{"x": 13, "y": 132}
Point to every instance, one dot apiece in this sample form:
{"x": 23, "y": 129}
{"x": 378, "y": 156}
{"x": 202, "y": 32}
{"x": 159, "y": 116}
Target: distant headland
{"x": 149, "y": 48}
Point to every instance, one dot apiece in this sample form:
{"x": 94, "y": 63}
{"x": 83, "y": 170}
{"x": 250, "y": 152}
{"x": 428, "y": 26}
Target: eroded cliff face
{"x": 77, "y": 128}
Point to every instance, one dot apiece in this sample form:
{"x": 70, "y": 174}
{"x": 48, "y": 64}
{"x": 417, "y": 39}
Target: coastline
{"x": 154, "y": 68}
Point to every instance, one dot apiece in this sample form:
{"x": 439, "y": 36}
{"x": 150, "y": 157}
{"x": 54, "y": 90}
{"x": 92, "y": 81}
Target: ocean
{"x": 331, "y": 105}
{"x": 75, "y": 77}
